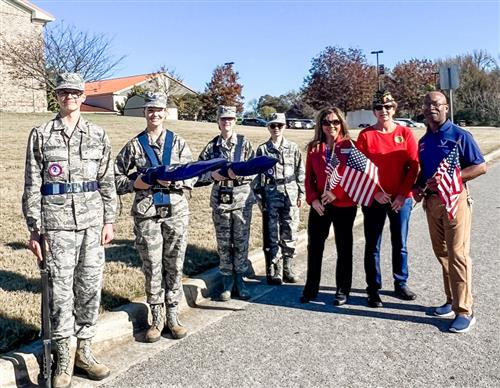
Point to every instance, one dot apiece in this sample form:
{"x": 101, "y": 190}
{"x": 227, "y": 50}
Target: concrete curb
{"x": 21, "y": 367}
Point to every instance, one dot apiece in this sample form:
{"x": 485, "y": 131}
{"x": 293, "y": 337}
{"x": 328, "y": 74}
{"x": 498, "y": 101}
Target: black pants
{"x": 317, "y": 229}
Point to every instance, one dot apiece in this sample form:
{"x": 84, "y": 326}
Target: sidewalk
{"x": 126, "y": 324}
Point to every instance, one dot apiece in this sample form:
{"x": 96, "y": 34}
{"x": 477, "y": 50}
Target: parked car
{"x": 256, "y": 122}
{"x": 409, "y": 123}
{"x": 300, "y": 123}
{"x": 363, "y": 125}
{"x": 308, "y": 123}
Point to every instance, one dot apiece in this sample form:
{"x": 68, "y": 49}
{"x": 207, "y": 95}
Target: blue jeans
{"x": 374, "y": 220}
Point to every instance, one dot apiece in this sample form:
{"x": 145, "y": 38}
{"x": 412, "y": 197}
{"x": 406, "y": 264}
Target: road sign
{"x": 449, "y": 77}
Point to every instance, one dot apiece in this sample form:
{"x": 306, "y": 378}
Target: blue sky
{"x": 272, "y": 42}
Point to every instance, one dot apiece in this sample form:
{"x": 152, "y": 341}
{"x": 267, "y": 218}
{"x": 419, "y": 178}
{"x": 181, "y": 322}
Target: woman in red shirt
{"x": 328, "y": 206}
{"x": 393, "y": 149}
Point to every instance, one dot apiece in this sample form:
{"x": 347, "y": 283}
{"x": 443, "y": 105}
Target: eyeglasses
{"x": 334, "y": 122}
{"x": 432, "y": 104}
{"x": 274, "y": 126}
{"x": 386, "y": 106}
{"x": 69, "y": 92}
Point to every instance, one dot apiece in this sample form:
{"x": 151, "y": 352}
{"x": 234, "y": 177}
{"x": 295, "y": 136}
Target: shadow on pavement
{"x": 288, "y": 295}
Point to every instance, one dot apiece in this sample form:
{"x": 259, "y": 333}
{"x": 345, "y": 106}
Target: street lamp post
{"x": 228, "y": 63}
{"x": 378, "y": 70}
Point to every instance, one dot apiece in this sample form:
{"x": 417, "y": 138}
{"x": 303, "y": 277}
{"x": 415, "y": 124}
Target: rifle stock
{"x": 46, "y": 327}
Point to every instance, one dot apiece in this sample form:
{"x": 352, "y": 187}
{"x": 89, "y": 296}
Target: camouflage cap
{"x": 382, "y": 97}
{"x": 226, "y": 112}
{"x": 70, "y": 81}
{"x": 277, "y": 118}
{"x": 155, "y": 100}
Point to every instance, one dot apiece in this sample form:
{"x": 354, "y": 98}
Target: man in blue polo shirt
{"x": 450, "y": 237}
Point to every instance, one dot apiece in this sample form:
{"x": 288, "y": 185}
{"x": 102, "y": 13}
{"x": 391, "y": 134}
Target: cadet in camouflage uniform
{"x": 231, "y": 201}
{"x": 283, "y": 192}
{"x": 160, "y": 223}
{"x": 70, "y": 198}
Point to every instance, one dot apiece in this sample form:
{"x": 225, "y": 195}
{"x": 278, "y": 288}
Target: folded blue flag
{"x": 178, "y": 172}
{"x": 257, "y": 165}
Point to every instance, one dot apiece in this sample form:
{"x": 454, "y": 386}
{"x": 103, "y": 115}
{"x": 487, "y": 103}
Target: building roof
{"x": 37, "y": 14}
{"x": 93, "y": 108}
{"x": 118, "y": 85}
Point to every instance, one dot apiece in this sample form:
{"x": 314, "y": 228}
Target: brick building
{"x": 18, "y": 19}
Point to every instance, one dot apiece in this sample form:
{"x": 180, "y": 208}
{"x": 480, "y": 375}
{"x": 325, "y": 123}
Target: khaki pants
{"x": 451, "y": 244}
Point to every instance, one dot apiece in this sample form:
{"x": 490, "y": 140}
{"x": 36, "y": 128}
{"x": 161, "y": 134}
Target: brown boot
{"x": 178, "y": 331}
{"x": 154, "y": 332}
{"x": 85, "y": 361}
{"x": 64, "y": 365}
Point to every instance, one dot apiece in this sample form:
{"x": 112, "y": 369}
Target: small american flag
{"x": 332, "y": 172}
{"x": 450, "y": 185}
{"x": 360, "y": 178}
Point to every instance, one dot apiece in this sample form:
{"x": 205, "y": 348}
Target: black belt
{"x": 229, "y": 183}
{"x": 280, "y": 181}
{"x": 69, "y": 188}
{"x": 167, "y": 190}
{"x": 429, "y": 193}
{"x": 283, "y": 181}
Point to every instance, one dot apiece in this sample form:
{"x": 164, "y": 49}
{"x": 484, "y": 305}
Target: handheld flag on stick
{"x": 450, "y": 185}
{"x": 332, "y": 173}
{"x": 360, "y": 178}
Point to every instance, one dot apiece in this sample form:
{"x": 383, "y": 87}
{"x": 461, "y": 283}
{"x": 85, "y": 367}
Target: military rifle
{"x": 266, "y": 238}
{"x": 46, "y": 327}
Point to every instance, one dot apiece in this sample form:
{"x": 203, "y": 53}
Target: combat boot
{"x": 178, "y": 331}
{"x": 277, "y": 277}
{"x": 86, "y": 362}
{"x": 154, "y": 332}
{"x": 227, "y": 282}
{"x": 269, "y": 274}
{"x": 288, "y": 274}
{"x": 243, "y": 291}
{"x": 64, "y": 365}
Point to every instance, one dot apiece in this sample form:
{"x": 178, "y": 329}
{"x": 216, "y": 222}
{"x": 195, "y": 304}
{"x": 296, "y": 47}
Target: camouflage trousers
{"x": 161, "y": 244}
{"x": 283, "y": 226}
{"x": 75, "y": 260}
{"x": 232, "y": 229}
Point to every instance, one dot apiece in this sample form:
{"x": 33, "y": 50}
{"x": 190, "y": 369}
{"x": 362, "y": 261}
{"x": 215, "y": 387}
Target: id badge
{"x": 164, "y": 211}
{"x": 225, "y": 195}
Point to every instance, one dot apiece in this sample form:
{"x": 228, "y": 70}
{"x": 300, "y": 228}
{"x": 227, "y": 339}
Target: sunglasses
{"x": 69, "y": 92}
{"x": 330, "y": 123}
{"x": 386, "y": 106}
{"x": 274, "y": 126}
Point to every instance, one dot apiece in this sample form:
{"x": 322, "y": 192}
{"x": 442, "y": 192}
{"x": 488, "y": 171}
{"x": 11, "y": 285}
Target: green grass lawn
{"x": 123, "y": 279}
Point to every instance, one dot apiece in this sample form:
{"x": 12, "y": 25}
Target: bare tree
{"x": 63, "y": 48}
{"x": 167, "y": 80}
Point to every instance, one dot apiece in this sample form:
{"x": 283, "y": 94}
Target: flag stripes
{"x": 450, "y": 185}
{"x": 360, "y": 178}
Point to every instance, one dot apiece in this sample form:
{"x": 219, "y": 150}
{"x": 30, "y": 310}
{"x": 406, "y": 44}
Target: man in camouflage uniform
{"x": 231, "y": 201}
{"x": 70, "y": 198}
{"x": 280, "y": 193}
{"x": 160, "y": 212}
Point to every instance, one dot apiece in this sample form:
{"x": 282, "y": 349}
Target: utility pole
{"x": 378, "y": 69}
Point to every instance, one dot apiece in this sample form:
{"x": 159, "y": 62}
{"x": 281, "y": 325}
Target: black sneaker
{"x": 404, "y": 292}
{"x": 340, "y": 299}
{"x": 374, "y": 300}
